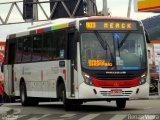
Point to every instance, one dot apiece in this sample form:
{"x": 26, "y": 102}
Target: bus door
{"x": 9, "y": 69}
{"x": 73, "y": 66}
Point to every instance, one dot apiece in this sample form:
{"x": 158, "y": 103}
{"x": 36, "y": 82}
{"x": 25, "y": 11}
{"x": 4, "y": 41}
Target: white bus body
{"x": 64, "y": 77}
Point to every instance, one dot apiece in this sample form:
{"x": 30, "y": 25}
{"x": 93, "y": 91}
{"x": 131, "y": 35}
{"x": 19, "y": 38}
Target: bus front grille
{"x": 115, "y": 77}
{"x": 108, "y": 93}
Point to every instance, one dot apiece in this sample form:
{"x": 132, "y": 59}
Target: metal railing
{"x": 18, "y": 5}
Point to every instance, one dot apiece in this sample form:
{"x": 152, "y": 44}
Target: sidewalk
{"x": 6, "y": 110}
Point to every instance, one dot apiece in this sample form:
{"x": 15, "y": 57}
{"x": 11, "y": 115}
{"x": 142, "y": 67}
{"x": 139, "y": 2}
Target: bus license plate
{"x": 116, "y": 92}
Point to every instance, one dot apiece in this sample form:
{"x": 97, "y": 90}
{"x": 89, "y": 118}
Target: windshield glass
{"x": 113, "y": 51}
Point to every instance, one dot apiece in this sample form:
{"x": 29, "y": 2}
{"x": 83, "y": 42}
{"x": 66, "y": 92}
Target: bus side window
{"x": 47, "y": 50}
{"x": 27, "y": 48}
{"x": 19, "y": 50}
{"x": 59, "y": 41}
{"x": 37, "y": 47}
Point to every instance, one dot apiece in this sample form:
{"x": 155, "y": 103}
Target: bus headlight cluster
{"x": 87, "y": 79}
{"x": 143, "y": 79}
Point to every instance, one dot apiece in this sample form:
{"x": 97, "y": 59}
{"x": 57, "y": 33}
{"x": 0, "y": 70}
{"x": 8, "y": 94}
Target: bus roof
{"x": 109, "y": 17}
{"x": 59, "y": 24}
{"x": 45, "y": 26}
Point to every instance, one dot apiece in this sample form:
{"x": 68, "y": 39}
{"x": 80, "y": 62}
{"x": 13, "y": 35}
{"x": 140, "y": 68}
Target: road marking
{"x": 32, "y": 119}
{"x": 89, "y": 117}
{"x": 20, "y": 116}
{"x": 68, "y": 115}
{"x": 42, "y": 119}
{"x": 118, "y": 117}
{"x": 43, "y": 116}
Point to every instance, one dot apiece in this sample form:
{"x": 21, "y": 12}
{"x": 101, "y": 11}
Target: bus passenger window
{"x": 47, "y": 51}
{"x": 27, "y": 49}
{"x": 59, "y": 42}
{"x": 37, "y": 48}
{"x": 19, "y": 50}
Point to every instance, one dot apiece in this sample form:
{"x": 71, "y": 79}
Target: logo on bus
{"x": 117, "y": 72}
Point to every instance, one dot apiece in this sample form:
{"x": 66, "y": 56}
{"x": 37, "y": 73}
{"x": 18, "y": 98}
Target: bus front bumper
{"x": 91, "y": 92}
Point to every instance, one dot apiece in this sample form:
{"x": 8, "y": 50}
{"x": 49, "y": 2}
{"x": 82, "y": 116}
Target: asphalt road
{"x": 135, "y": 110}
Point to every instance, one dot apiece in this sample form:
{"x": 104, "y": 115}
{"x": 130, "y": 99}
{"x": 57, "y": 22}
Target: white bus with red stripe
{"x": 78, "y": 60}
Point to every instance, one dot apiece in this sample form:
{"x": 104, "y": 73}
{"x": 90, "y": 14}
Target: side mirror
{"x": 147, "y": 36}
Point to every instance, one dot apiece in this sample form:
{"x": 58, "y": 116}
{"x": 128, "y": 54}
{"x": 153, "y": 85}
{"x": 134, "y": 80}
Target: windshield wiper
{"x": 100, "y": 39}
{"x": 123, "y": 40}
{"x": 104, "y": 44}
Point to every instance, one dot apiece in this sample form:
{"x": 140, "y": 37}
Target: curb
{"x": 154, "y": 97}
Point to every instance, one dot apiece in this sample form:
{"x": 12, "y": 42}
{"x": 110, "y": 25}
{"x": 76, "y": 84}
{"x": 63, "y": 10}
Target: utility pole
{"x": 35, "y": 11}
{"x": 129, "y": 8}
{"x": 105, "y": 9}
{"x": 91, "y": 8}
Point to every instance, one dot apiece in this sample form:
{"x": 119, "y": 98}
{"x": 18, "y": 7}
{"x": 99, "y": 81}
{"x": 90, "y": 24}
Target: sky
{"x": 116, "y": 8}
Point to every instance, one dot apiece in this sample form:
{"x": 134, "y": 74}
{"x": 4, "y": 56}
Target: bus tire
{"x": 23, "y": 94}
{"x": 12, "y": 99}
{"x": 66, "y": 102}
{"x": 121, "y": 103}
{"x": 33, "y": 101}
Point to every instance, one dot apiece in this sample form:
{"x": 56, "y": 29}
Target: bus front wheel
{"x": 121, "y": 103}
{"x": 66, "y": 102}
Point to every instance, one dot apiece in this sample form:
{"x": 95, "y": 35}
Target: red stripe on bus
{"x": 40, "y": 30}
{"x": 64, "y": 72}
{"x": 115, "y": 83}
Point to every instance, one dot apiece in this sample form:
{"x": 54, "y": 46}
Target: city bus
{"x": 77, "y": 60}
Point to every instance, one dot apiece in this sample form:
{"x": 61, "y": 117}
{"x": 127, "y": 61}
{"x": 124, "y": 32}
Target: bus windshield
{"x": 113, "y": 50}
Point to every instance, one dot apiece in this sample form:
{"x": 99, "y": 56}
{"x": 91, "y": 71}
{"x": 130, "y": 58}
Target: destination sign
{"x": 108, "y": 25}
{"x": 99, "y": 63}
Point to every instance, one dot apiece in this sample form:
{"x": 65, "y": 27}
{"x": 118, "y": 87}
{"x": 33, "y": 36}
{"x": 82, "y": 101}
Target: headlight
{"x": 143, "y": 79}
{"x": 87, "y": 79}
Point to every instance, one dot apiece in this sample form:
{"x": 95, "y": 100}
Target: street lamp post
{"x": 129, "y": 8}
{"x": 105, "y": 9}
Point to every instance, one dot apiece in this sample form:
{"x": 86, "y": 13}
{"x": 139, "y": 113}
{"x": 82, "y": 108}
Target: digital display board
{"x": 99, "y": 63}
{"x": 108, "y": 25}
